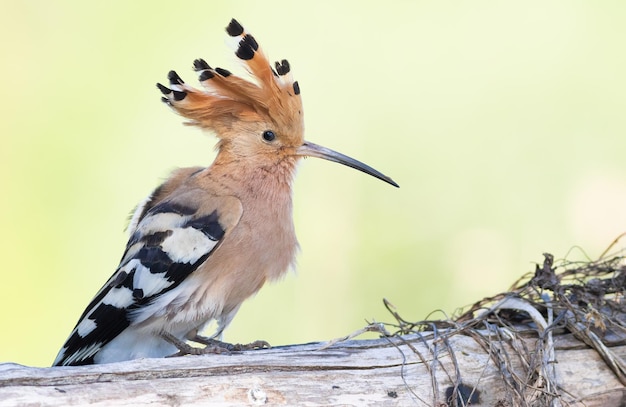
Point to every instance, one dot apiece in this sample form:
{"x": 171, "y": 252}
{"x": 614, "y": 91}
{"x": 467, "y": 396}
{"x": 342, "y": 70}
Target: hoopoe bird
{"x": 208, "y": 238}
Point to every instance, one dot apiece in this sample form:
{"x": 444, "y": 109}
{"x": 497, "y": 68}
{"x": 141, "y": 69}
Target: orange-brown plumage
{"x": 208, "y": 238}
{"x": 232, "y": 106}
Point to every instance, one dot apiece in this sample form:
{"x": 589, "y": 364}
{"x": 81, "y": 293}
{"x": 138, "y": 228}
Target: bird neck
{"x": 259, "y": 176}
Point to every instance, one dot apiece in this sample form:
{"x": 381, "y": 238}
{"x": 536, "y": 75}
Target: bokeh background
{"x": 503, "y": 122}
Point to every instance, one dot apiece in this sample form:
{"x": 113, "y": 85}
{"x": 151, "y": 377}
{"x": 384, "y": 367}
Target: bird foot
{"x": 212, "y": 346}
{"x": 229, "y": 346}
{"x": 185, "y": 349}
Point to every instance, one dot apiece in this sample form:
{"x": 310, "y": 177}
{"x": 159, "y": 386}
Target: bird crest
{"x": 271, "y": 97}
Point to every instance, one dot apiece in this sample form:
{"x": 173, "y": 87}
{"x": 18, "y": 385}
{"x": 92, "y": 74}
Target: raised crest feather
{"x": 271, "y": 95}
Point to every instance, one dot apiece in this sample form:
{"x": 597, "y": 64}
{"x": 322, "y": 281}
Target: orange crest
{"x": 273, "y": 97}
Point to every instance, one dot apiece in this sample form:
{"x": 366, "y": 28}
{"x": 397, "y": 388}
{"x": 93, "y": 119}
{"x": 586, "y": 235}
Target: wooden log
{"x": 392, "y": 371}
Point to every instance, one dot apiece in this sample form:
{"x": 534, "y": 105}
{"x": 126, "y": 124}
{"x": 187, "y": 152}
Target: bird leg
{"x": 185, "y": 349}
{"x": 229, "y": 346}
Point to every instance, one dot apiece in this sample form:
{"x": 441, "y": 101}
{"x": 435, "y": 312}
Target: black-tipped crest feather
{"x": 234, "y": 29}
{"x": 271, "y": 96}
{"x": 174, "y": 78}
{"x": 200, "y": 65}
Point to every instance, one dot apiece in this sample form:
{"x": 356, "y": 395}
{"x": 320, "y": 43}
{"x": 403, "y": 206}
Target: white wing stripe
{"x": 160, "y": 222}
{"x": 149, "y": 283}
{"x": 120, "y": 297}
{"x": 85, "y": 327}
{"x": 187, "y": 245}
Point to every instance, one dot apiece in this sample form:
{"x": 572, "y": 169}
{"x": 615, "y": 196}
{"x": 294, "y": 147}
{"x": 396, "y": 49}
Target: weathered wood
{"x": 382, "y": 372}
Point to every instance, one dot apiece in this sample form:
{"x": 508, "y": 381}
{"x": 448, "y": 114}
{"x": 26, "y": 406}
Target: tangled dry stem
{"x": 584, "y": 299}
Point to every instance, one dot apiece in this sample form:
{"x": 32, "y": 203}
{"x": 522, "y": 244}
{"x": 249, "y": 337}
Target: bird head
{"x": 258, "y": 120}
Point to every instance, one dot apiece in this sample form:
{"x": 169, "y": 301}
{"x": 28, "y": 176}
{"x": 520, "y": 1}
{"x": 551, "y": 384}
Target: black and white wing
{"x": 169, "y": 242}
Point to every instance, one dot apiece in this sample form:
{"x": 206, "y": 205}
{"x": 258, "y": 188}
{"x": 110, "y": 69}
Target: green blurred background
{"x": 503, "y": 123}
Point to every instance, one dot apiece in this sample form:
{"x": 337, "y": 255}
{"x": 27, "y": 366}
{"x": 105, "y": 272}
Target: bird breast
{"x": 260, "y": 248}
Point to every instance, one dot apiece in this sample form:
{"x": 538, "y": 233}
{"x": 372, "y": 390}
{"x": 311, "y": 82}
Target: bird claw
{"x": 185, "y": 349}
{"x": 252, "y": 346}
{"x": 229, "y": 346}
{"x": 212, "y": 346}
{"x": 207, "y": 350}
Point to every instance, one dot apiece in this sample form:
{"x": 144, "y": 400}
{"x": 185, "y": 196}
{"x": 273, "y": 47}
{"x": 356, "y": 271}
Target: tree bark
{"x": 395, "y": 371}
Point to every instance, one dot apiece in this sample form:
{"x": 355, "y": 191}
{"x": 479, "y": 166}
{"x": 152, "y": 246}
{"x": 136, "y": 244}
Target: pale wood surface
{"x": 382, "y": 372}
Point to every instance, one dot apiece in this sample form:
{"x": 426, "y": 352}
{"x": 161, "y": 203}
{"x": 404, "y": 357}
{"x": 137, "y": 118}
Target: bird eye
{"x": 268, "y": 135}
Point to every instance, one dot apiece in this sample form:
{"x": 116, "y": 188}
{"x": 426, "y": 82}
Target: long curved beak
{"x": 309, "y": 149}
